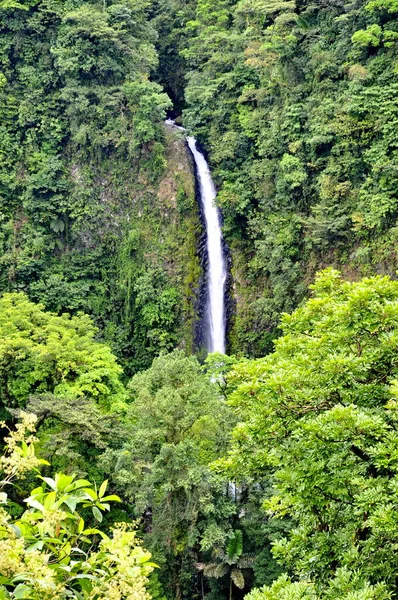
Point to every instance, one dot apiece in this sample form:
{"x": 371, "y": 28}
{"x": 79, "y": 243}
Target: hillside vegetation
{"x": 97, "y": 200}
{"x": 296, "y": 103}
{"x": 133, "y": 467}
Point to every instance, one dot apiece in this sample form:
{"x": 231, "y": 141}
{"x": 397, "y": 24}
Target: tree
{"x": 49, "y": 552}
{"x": 74, "y": 432}
{"x": 344, "y": 585}
{"x": 320, "y": 417}
{"x": 42, "y": 352}
{"x": 179, "y": 424}
{"x": 230, "y": 561}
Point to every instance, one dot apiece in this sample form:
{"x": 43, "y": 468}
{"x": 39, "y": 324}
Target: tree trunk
{"x": 178, "y": 591}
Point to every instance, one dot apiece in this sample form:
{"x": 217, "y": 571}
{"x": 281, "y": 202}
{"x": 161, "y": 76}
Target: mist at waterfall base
{"x": 216, "y": 275}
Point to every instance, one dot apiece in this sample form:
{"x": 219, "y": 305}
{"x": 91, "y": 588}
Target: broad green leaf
{"x": 111, "y": 498}
{"x": 50, "y": 482}
{"x": 49, "y": 500}
{"x": 34, "y": 504}
{"x": 22, "y": 591}
{"x": 80, "y": 526}
{"x": 97, "y": 513}
{"x": 102, "y": 489}
{"x": 91, "y": 494}
{"x": 79, "y": 483}
{"x": 62, "y": 481}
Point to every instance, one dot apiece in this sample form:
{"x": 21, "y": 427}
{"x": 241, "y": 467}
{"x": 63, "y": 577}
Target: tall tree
{"x": 179, "y": 424}
{"x": 320, "y": 417}
{"x": 41, "y": 352}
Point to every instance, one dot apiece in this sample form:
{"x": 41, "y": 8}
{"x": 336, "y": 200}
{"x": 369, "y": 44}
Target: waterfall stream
{"x": 217, "y": 269}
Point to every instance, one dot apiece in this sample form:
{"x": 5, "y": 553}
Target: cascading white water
{"x": 217, "y": 269}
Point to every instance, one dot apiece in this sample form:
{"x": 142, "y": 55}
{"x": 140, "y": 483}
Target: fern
{"x": 237, "y": 578}
{"x": 215, "y": 570}
{"x": 246, "y": 561}
{"x": 235, "y": 547}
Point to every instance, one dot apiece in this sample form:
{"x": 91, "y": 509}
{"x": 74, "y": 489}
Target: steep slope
{"x": 97, "y": 200}
{"x": 296, "y": 102}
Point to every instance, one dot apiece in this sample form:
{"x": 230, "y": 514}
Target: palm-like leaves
{"x": 232, "y": 561}
{"x": 235, "y": 547}
{"x": 215, "y": 570}
{"x": 237, "y": 578}
{"x": 246, "y": 561}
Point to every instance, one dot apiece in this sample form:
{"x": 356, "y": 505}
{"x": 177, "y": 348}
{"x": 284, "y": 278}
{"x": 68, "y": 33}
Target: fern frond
{"x": 235, "y": 546}
{"x": 237, "y": 578}
{"x": 246, "y": 561}
{"x": 215, "y": 570}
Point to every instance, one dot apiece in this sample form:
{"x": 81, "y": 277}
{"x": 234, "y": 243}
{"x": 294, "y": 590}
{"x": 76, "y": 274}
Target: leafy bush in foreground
{"x": 50, "y": 553}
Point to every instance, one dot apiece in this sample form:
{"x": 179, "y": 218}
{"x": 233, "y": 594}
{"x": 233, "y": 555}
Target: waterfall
{"x": 217, "y": 268}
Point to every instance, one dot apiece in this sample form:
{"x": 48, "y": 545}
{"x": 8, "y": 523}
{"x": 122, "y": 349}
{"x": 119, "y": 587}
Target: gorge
{"x": 198, "y": 391}
{"x": 216, "y": 275}
{"x": 214, "y": 310}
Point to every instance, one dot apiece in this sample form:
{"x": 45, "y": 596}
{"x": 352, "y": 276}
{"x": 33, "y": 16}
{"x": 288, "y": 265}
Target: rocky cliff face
{"x": 127, "y": 255}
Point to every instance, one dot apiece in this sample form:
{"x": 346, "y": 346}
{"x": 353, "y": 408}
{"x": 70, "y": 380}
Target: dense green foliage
{"x": 155, "y": 440}
{"x": 320, "y": 415}
{"x": 270, "y": 477}
{"x": 41, "y": 352}
{"x": 49, "y": 552}
{"x": 231, "y": 562}
{"x": 296, "y": 103}
{"x": 179, "y": 425}
{"x": 313, "y": 454}
{"x": 89, "y": 220}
